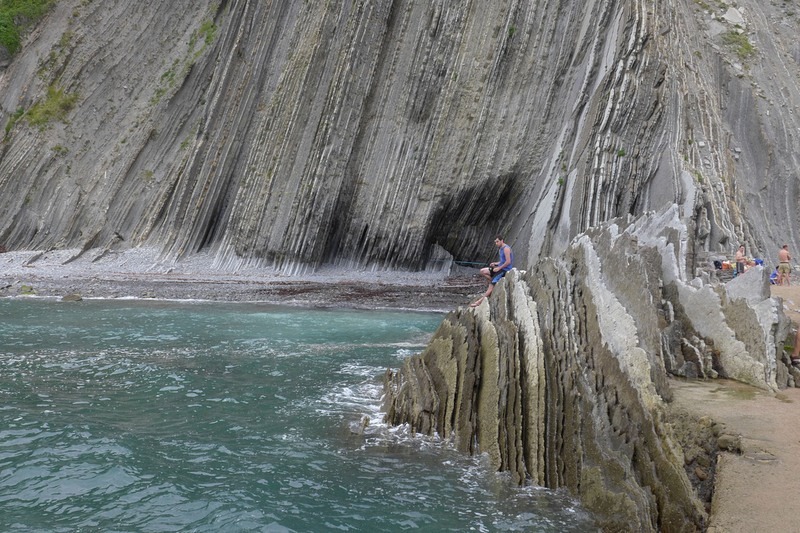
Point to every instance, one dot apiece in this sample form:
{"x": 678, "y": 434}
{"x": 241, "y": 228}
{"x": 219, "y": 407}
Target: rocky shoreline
{"x": 138, "y": 274}
{"x": 767, "y": 447}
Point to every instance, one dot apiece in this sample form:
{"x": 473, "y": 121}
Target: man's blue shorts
{"x": 497, "y": 275}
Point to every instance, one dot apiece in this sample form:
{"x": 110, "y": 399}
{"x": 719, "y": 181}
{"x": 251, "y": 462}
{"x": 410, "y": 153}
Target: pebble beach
{"x": 139, "y": 273}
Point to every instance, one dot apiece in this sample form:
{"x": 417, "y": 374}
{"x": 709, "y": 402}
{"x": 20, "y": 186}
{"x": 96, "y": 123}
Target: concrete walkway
{"x": 756, "y": 491}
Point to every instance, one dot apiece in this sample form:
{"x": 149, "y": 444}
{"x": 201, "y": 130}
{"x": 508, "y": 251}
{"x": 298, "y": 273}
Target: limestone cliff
{"x": 396, "y": 133}
{"x": 561, "y": 377}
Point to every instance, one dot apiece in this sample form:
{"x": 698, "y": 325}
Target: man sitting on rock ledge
{"x": 495, "y": 271}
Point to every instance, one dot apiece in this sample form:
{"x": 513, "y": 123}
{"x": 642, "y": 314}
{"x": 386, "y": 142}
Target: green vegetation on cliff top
{"x": 16, "y": 15}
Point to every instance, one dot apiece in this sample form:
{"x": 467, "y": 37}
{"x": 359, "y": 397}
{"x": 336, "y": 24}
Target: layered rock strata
{"x": 402, "y": 134}
{"x": 562, "y": 376}
{"x": 397, "y": 133}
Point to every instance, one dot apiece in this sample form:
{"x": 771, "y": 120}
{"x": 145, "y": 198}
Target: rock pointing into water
{"x": 562, "y": 377}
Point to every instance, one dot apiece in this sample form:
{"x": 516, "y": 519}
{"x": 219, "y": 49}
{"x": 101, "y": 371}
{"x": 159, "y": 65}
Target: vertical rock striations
{"x": 402, "y": 133}
{"x": 395, "y": 133}
{"x": 561, "y": 378}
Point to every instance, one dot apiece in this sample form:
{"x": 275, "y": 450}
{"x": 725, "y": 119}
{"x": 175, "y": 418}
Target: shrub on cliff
{"x": 15, "y": 16}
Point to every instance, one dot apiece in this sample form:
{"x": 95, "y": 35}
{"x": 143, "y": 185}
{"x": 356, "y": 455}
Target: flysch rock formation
{"x": 397, "y": 133}
{"x": 561, "y": 377}
{"x": 403, "y": 134}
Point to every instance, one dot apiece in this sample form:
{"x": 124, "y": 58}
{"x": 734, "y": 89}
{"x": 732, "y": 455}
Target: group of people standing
{"x": 782, "y": 273}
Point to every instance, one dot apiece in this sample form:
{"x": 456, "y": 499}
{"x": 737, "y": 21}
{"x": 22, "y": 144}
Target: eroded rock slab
{"x": 562, "y": 377}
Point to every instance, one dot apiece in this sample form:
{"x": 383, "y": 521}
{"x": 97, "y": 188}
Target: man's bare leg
{"x": 488, "y": 293}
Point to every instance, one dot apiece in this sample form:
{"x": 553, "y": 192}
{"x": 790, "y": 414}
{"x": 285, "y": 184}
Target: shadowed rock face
{"x": 561, "y": 378}
{"x": 381, "y": 133}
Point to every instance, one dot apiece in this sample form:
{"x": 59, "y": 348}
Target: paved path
{"x": 758, "y": 490}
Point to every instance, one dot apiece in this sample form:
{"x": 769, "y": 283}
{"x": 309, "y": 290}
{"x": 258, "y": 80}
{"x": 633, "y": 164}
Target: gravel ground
{"x": 139, "y": 273}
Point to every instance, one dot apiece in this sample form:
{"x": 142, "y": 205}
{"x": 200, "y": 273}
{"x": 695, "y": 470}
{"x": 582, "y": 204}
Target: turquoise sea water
{"x": 165, "y": 416}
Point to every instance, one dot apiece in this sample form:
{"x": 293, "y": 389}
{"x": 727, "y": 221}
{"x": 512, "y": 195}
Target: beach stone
{"x": 703, "y": 460}
{"x": 730, "y": 443}
{"x": 706, "y": 421}
{"x": 357, "y": 169}
{"x": 733, "y": 16}
{"x": 26, "y": 290}
{"x": 74, "y": 297}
